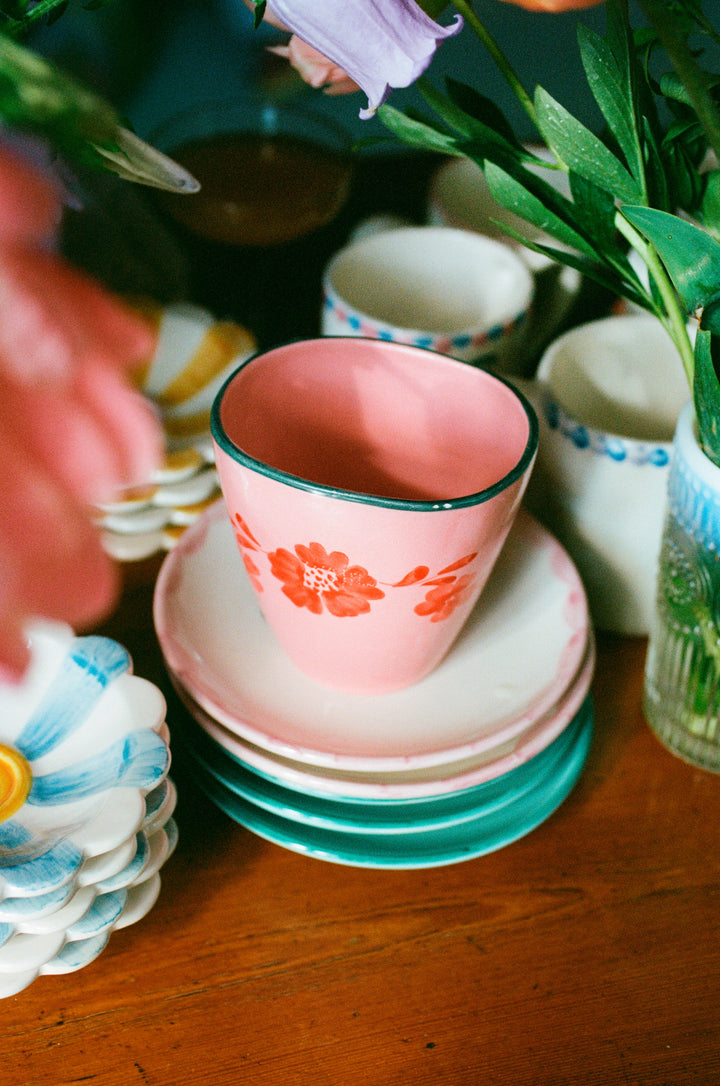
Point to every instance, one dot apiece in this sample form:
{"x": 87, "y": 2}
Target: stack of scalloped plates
{"x": 193, "y": 356}
{"x": 85, "y": 804}
{"x": 471, "y": 758}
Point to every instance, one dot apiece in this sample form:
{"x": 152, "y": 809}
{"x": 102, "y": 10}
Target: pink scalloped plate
{"x": 523, "y": 648}
{"x": 413, "y": 784}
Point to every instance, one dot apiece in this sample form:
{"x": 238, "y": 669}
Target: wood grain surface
{"x": 585, "y": 954}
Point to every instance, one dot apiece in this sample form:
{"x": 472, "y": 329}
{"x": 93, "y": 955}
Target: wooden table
{"x": 586, "y": 953}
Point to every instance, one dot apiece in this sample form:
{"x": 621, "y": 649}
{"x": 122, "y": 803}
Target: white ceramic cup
{"x": 447, "y": 290}
{"x": 608, "y": 395}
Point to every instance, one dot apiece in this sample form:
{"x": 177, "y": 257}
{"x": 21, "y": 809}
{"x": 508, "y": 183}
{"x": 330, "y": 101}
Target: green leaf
{"x": 684, "y": 183}
{"x": 659, "y": 174}
{"x": 57, "y": 12}
{"x": 710, "y": 320}
{"x": 483, "y": 109}
{"x": 706, "y": 394}
{"x": 37, "y": 97}
{"x": 418, "y": 133}
{"x": 582, "y": 151}
{"x": 539, "y": 204}
{"x": 134, "y": 160}
{"x": 613, "y": 91}
{"x": 672, "y": 87}
{"x": 611, "y": 279}
{"x": 259, "y": 13}
{"x": 691, "y": 256}
{"x": 595, "y": 209}
{"x": 463, "y": 123}
{"x": 710, "y": 204}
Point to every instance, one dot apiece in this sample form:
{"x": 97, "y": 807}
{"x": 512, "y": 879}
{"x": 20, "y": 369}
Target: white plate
{"x": 432, "y": 781}
{"x": 85, "y": 741}
{"x": 521, "y": 650}
{"x": 194, "y": 354}
{"x": 28, "y": 956}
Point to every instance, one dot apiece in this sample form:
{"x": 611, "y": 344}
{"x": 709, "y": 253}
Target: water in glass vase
{"x": 682, "y": 671}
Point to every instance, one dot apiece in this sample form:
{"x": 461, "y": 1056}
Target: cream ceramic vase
{"x": 608, "y": 394}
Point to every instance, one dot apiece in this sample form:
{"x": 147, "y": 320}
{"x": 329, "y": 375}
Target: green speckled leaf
{"x": 706, "y": 393}
{"x": 691, "y": 256}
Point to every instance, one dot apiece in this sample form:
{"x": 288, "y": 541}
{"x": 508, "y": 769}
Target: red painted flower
{"x": 441, "y": 601}
{"x": 311, "y": 577}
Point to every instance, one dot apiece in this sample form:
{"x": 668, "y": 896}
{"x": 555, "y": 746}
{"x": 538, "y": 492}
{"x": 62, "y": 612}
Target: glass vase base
{"x": 681, "y": 739}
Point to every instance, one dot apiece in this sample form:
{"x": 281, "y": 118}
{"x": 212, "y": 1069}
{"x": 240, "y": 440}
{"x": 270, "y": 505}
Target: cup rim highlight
{"x": 247, "y": 112}
{"x": 570, "y": 418}
{"x": 412, "y": 505}
{"x": 483, "y": 334}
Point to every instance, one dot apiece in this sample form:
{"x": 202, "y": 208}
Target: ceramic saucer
{"x": 85, "y": 803}
{"x": 523, "y": 647}
{"x": 413, "y": 784}
{"x": 83, "y": 741}
{"x": 56, "y": 953}
{"x": 555, "y": 772}
{"x": 193, "y": 356}
{"x": 65, "y": 938}
{"x": 383, "y": 817}
{"x": 119, "y": 867}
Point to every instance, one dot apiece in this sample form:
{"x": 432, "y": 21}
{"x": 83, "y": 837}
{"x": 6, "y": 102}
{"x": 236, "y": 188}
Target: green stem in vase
{"x": 673, "y": 317}
{"x": 692, "y": 77}
{"x": 504, "y": 65}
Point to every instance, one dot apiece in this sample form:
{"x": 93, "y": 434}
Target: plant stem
{"x": 673, "y": 318}
{"x": 17, "y": 27}
{"x": 687, "y": 69}
{"x": 506, "y": 68}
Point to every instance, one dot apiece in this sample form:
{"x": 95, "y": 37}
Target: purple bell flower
{"x": 380, "y": 44}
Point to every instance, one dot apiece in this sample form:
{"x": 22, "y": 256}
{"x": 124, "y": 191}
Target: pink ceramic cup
{"x": 371, "y": 486}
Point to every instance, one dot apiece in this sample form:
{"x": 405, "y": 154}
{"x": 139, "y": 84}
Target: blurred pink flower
{"x": 375, "y": 44}
{"x": 72, "y": 431}
{"x": 315, "y": 68}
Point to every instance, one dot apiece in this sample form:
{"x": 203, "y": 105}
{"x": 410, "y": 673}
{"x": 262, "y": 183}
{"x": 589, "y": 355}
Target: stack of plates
{"x": 194, "y": 355}
{"x": 473, "y": 757}
{"x": 85, "y": 804}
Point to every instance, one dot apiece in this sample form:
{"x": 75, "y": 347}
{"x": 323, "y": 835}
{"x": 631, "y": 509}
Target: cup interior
{"x": 376, "y": 421}
{"x": 620, "y": 375}
{"x": 432, "y": 279}
{"x": 270, "y": 171}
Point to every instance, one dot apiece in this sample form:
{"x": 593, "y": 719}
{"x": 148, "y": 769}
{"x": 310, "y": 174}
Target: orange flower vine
{"x": 319, "y": 580}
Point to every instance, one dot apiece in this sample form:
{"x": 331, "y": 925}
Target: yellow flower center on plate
{"x": 15, "y": 781}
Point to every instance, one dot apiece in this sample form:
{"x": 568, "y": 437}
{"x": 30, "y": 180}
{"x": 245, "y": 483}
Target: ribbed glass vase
{"x": 682, "y": 673}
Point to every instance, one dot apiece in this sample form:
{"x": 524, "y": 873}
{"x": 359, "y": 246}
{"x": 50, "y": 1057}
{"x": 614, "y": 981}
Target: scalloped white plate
{"x": 58, "y": 954}
{"x": 194, "y": 355}
{"x": 84, "y": 751}
{"x": 454, "y": 776}
{"x": 522, "y": 648}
